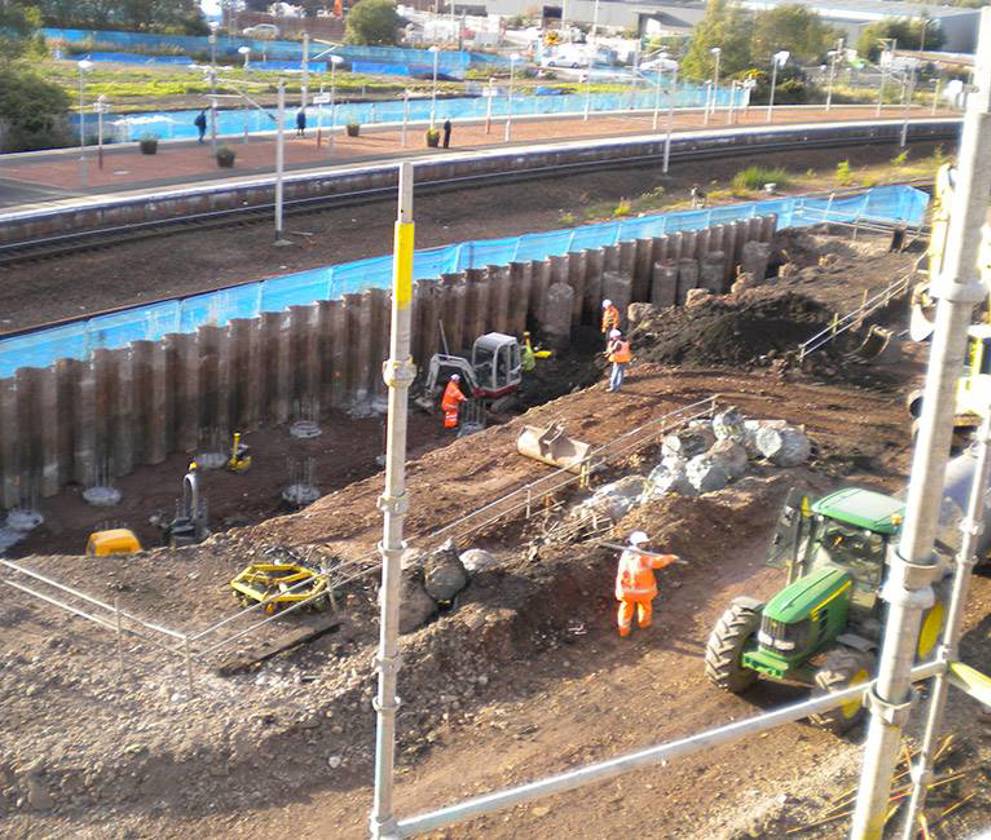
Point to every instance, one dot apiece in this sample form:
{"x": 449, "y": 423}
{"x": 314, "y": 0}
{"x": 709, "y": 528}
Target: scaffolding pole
{"x": 908, "y": 590}
{"x": 970, "y": 527}
{"x": 398, "y": 373}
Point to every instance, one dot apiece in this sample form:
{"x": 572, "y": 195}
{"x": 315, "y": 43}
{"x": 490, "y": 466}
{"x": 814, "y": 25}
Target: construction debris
{"x": 444, "y": 575}
{"x": 784, "y": 447}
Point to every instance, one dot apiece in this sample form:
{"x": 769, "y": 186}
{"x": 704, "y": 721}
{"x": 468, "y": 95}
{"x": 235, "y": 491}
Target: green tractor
{"x": 823, "y": 629}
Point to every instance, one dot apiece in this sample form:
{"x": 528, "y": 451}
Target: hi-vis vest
{"x": 635, "y": 576}
{"x": 621, "y": 352}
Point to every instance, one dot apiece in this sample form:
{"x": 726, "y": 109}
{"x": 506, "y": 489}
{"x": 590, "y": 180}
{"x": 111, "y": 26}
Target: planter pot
{"x": 353, "y": 130}
{"x": 149, "y": 147}
{"x": 433, "y": 140}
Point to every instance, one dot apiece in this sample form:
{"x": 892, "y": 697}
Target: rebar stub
{"x": 102, "y": 496}
{"x": 305, "y": 429}
{"x": 300, "y": 494}
{"x": 23, "y": 520}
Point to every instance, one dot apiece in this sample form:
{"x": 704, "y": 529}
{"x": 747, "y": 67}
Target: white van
{"x": 262, "y": 30}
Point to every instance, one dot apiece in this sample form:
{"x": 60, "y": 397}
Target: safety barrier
{"x": 453, "y": 62}
{"x": 250, "y": 120}
{"x": 78, "y": 340}
{"x": 852, "y": 319}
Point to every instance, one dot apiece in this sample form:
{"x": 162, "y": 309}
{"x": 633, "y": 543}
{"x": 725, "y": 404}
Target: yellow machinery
{"x": 240, "y": 460}
{"x": 113, "y": 541}
{"x": 284, "y": 583}
{"x": 974, "y": 386}
{"x": 551, "y": 445}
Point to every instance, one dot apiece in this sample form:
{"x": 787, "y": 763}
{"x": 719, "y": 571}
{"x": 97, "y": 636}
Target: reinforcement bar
{"x": 648, "y": 757}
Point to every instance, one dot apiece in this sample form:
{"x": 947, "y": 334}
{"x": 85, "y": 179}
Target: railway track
{"x": 96, "y": 239}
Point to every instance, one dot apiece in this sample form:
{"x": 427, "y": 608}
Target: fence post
{"x": 528, "y": 500}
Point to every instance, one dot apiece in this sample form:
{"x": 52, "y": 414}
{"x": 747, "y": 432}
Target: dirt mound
{"x": 758, "y": 325}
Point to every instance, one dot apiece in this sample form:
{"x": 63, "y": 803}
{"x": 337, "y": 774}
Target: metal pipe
{"x": 908, "y": 591}
{"x": 280, "y": 151}
{"x": 398, "y": 372}
{"x": 909, "y": 93}
{"x": 433, "y": 90}
{"x": 774, "y": 84}
{"x": 642, "y": 758}
{"x": 667, "y": 139}
{"x": 971, "y": 527}
{"x": 306, "y": 72}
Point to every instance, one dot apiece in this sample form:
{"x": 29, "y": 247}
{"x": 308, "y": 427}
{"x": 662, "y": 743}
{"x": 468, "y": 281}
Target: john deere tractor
{"x": 824, "y": 627}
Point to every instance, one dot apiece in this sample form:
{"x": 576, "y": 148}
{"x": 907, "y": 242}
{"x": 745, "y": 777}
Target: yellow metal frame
{"x": 271, "y": 582}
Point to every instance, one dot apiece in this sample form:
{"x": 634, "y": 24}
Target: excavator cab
{"x": 495, "y": 368}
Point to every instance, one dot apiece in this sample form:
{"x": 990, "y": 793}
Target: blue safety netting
{"x": 77, "y": 340}
{"x": 450, "y": 62}
{"x": 138, "y": 58}
{"x": 236, "y": 122}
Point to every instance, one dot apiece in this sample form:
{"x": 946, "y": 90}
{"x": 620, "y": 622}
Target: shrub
{"x": 843, "y": 173}
{"x": 433, "y": 137}
{"x": 900, "y": 159}
{"x": 225, "y": 157}
{"x": 754, "y": 177}
{"x": 622, "y": 209}
{"x": 33, "y": 111}
{"x": 148, "y": 144}
{"x": 372, "y": 22}
{"x": 568, "y": 218}
{"x": 353, "y": 128}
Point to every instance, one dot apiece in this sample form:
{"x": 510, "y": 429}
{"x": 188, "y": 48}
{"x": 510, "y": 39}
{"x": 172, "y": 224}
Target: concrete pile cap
{"x": 101, "y": 496}
{"x": 305, "y": 429}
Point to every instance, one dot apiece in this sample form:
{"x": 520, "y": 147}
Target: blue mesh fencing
{"x": 235, "y": 122}
{"x": 137, "y": 58}
{"x": 450, "y": 62}
{"x": 77, "y": 340}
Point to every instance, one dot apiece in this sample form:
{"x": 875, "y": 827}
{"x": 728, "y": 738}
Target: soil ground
{"x": 524, "y": 674}
{"x": 186, "y": 263}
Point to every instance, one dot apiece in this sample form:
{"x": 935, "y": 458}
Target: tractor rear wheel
{"x": 843, "y": 668}
{"x": 735, "y": 629}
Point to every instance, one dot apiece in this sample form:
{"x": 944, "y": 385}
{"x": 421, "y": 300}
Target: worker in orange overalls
{"x": 451, "y": 402}
{"x": 618, "y": 352}
{"x": 610, "y": 317}
{"x": 636, "y": 587}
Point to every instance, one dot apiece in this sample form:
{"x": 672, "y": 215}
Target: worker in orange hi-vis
{"x": 610, "y": 317}
{"x": 451, "y": 402}
{"x": 636, "y": 586}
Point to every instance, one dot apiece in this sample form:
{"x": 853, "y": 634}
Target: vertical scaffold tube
{"x": 398, "y": 373}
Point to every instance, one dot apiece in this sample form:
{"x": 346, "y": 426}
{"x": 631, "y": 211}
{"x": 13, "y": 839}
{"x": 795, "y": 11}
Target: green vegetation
{"x": 183, "y": 17}
{"x": 623, "y": 208}
{"x": 844, "y": 176}
{"x": 372, "y": 22}
{"x": 907, "y": 32}
{"x": 900, "y": 159}
{"x": 754, "y": 177}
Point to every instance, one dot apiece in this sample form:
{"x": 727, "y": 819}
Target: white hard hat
{"x": 606, "y": 303}
{"x": 614, "y": 333}
{"x": 455, "y": 378}
{"x": 638, "y": 538}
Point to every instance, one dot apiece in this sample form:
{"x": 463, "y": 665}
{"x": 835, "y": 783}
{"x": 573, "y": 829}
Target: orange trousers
{"x": 644, "y": 608}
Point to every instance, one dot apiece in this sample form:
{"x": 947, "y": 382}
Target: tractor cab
{"x": 835, "y": 552}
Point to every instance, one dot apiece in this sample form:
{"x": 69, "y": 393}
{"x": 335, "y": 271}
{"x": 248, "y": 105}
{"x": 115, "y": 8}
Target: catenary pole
{"x": 398, "y": 372}
{"x": 970, "y": 528}
{"x": 908, "y": 590}
{"x": 280, "y": 157}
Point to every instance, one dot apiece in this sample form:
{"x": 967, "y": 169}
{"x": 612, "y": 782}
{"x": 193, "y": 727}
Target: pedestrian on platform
{"x": 617, "y": 352}
{"x": 636, "y": 586}
{"x": 447, "y": 134}
{"x": 450, "y": 403}
{"x": 610, "y": 317}
{"x": 301, "y": 122}
{"x": 200, "y": 123}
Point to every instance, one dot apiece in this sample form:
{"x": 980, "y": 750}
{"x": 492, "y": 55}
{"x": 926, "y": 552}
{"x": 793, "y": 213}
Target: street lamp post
{"x": 489, "y": 94}
{"x": 405, "y": 116}
{"x": 320, "y": 99}
{"x": 509, "y": 104}
{"x": 246, "y": 52}
{"x": 667, "y": 139}
{"x": 305, "y": 80}
{"x": 717, "y": 52}
{"x": 280, "y": 143}
{"x": 101, "y": 108}
{"x": 779, "y": 59}
{"x": 708, "y": 98}
{"x": 433, "y": 92}
{"x": 84, "y": 67}
{"x": 832, "y": 55}
{"x": 334, "y": 61}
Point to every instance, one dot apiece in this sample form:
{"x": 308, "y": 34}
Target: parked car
{"x": 262, "y": 30}
{"x": 567, "y": 55}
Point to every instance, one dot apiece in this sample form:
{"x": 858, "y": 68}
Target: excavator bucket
{"x": 921, "y": 313}
{"x": 877, "y": 346}
{"x": 552, "y": 446}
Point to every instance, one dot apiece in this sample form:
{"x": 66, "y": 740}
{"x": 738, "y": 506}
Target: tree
{"x": 790, "y": 27}
{"x": 907, "y": 32}
{"x": 166, "y": 16}
{"x": 372, "y": 22}
{"x": 32, "y": 110}
{"x": 19, "y": 35}
{"x": 725, "y": 25}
